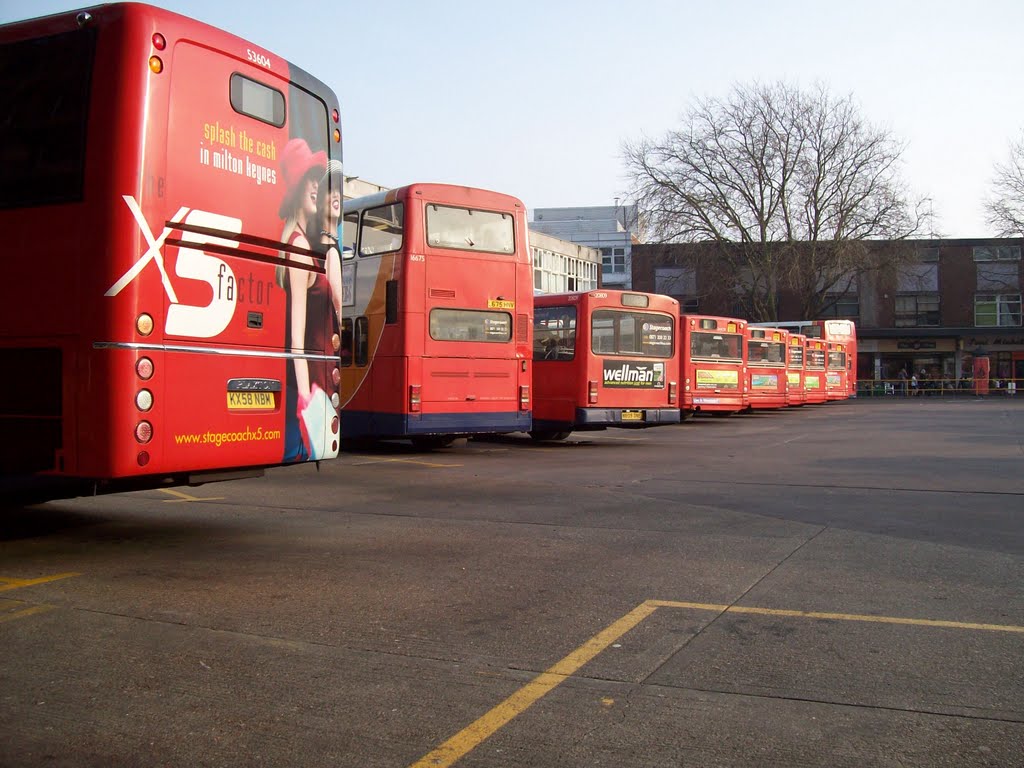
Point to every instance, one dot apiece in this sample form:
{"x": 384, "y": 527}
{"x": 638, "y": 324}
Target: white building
{"x": 562, "y": 267}
{"x": 612, "y": 229}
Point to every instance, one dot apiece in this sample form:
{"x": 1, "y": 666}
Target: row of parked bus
{"x": 207, "y": 306}
{"x": 445, "y": 338}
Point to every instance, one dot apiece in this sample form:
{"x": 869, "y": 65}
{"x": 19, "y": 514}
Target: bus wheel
{"x": 431, "y": 442}
{"x": 549, "y": 435}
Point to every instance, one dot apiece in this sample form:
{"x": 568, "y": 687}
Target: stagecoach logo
{"x": 634, "y": 374}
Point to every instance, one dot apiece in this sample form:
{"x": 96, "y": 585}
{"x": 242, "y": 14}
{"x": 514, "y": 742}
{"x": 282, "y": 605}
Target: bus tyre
{"x": 431, "y": 442}
{"x": 540, "y": 435}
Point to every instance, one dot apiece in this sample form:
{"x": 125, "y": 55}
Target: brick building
{"x": 951, "y": 301}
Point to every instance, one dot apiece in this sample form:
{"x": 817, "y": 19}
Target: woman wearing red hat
{"x": 309, "y": 301}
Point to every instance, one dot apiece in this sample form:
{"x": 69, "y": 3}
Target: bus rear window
{"x": 716, "y": 346}
{"x": 45, "y": 84}
{"x": 257, "y": 100}
{"x": 382, "y": 230}
{"x": 554, "y": 333}
{"x": 470, "y": 230}
{"x": 837, "y": 361}
{"x": 470, "y": 325}
{"x": 815, "y": 358}
{"x": 796, "y": 356}
{"x": 765, "y": 352}
{"x": 616, "y": 332}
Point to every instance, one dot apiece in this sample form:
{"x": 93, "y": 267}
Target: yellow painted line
{"x": 35, "y": 609}
{"x": 183, "y": 497}
{"x": 470, "y": 737}
{"x": 839, "y": 616}
{"x": 405, "y": 461}
{"x": 7, "y": 584}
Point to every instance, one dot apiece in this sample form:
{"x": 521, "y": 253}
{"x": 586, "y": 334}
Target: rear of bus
{"x": 447, "y": 308}
{"x": 144, "y": 169}
{"x": 845, "y": 333}
{"x": 815, "y": 356}
{"x": 836, "y": 382}
{"x": 766, "y": 367}
{"x": 796, "y": 394}
{"x": 603, "y": 359}
{"x": 712, "y": 365}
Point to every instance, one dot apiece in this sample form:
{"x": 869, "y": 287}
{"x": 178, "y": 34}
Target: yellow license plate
{"x": 500, "y": 304}
{"x": 250, "y": 401}
{"x": 632, "y": 415}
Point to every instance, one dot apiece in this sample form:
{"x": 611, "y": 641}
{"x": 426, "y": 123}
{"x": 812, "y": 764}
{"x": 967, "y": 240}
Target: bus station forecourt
{"x": 836, "y": 584}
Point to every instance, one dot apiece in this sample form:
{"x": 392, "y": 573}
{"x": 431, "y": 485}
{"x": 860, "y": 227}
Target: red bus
{"x": 836, "y": 384}
{"x": 795, "y": 349}
{"x": 436, "y": 341}
{"x": 815, "y": 355}
{"x": 766, "y": 367}
{"x": 603, "y": 359}
{"x": 153, "y": 170}
{"x": 839, "y": 331}
{"x": 712, "y": 365}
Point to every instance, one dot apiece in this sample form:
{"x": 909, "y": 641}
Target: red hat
{"x": 297, "y": 160}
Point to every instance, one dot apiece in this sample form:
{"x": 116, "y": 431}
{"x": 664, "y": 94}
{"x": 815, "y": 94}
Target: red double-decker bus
{"x": 156, "y": 171}
{"x": 766, "y": 367}
{"x": 815, "y": 357}
{"x": 795, "y": 349}
{"x": 436, "y": 341}
{"x": 712, "y": 365}
{"x": 603, "y": 359}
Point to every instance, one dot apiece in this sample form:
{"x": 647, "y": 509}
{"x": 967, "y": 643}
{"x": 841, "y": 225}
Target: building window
{"x": 928, "y": 255}
{"x": 845, "y": 307}
{"x": 997, "y": 309}
{"x": 613, "y": 260}
{"x": 920, "y": 309}
{"x": 997, "y": 253}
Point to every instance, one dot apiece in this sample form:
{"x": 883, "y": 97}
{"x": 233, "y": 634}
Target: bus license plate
{"x": 632, "y": 415}
{"x": 250, "y": 401}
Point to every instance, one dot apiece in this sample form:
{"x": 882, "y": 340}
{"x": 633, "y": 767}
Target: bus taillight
{"x": 673, "y": 392}
{"x": 143, "y": 431}
{"x": 591, "y": 392}
{"x": 414, "y": 398}
{"x": 524, "y": 397}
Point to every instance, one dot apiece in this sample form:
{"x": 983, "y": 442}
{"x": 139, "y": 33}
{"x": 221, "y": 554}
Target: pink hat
{"x": 297, "y": 160}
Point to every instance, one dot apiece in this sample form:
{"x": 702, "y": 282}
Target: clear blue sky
{"x": 535, "y": 97}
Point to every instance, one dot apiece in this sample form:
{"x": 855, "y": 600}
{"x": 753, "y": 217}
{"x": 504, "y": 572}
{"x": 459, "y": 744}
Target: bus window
{"x": 256, "y": 100}
{"x": 382, "y": 230}
{"x": 45, "y": 82}
{"x": 345, "y": 350}
{"x": 554, "y": 333}
{"x": 362, "y": 341}
{"x": 716, "y": 346}
{"x": 349, "y": 233}
{"x": 614, "y": 332}
{"x": 836, "y": 361}
{"x": 470, "y": 325}
{"x": 470, "y": 230}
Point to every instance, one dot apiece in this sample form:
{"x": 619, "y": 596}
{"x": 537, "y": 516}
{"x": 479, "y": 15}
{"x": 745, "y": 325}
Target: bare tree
{"x": 788, "y": 184}
{"x": 1005, "y": 207}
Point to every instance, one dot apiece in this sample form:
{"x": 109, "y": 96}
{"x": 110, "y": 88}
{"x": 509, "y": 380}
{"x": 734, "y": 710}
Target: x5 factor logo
{"x": 202, "y": 322}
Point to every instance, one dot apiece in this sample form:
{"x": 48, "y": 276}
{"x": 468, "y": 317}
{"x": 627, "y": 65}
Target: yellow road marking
{"x": 25, "y": 612}
{"x": 7, "y": 584}
{"x": 183, "y": 497}
{"x": 470, "y": 737}
{"x": 405, "y": 461}
{"x": 838, "y": 616}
